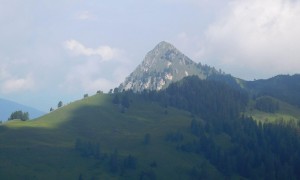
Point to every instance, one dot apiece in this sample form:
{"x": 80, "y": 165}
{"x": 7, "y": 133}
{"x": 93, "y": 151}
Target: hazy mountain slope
{"x": 163, "y": 65}
{"x": 7, "y": 107}
{"x": 283, "y": 87}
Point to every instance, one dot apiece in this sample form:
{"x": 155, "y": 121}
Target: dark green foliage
{"x": 234, "y": 144}
{"x": 60, "y": 104}
{"x": 197, "y": 127}
{"x": 88, "y": 149}
{"x": 147, "y": 139}
{"x": 283, "y": 87}
{"x": 174, "y": 137}
{"x": 268, "y": 152}
{"x": 24, "y": 116}
{"x": 196, "y": 174}
{"x": 85, "y": 95}
{"x": 267, "y": 104}
{"x": 80, "y": 177}
{"x": 116, "y": 90}
{"x": 125, "y": 101}
{"x": 122, "y": 99}
{"x": 116, "y": 99}
{"x": 227, "y": 79}
{"x": 130, "y": 162}
{"x": 101, "y": 92}
{"x": 166, "y": 112}
{"x": 118, "y": 164}
{"x": 114, "y": 162}
{"x": 208, "y": 99}
{"x": 153, "y": 164}
{"x": 147, "y": 175}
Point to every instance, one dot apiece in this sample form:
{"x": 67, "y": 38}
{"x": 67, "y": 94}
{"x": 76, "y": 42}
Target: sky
{"x": 53, "y": 51}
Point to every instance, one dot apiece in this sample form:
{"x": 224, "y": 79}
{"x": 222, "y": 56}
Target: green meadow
{"x": 44, "y": 148}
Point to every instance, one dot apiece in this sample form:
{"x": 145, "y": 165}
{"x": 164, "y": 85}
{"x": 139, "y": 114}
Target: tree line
{"x": 24, "y": 116}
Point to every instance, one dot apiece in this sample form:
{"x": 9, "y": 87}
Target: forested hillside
{"x": 234, "y": 143}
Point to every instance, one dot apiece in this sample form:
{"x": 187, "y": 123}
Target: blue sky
{"x": 60, "y": 50}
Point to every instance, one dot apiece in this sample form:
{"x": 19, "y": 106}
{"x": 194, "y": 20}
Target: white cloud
{"x": 12, "y": 85}
{"x": 105, "y": 52}
{"x": 120, "y": 73}
{"x": 183, "y": 38}
{"x": 86, "y": 15}
{"x": 256, "y": 37}
{"x": 89, "y": 77}
{"x": 98, "y": 84}
{"x": 11, "y": 82}
{"x": 91, "y": 74}
{"x": 3, "y": 72}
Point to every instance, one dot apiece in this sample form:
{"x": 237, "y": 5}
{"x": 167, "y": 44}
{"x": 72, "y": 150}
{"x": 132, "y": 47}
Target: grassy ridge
{"x": 44, "y": 148}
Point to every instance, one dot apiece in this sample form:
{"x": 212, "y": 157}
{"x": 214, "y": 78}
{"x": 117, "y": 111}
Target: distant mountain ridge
{"x": 7, "y": 107}
{"x": 283, "y": 87}
{"x": 163, "y": 65}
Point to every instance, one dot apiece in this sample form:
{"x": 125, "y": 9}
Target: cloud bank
{"x": 93, "y": 73}
{"x": 14, "y": 84}
{"x": 105, "y": 52}
{"x": 255, "y": 38}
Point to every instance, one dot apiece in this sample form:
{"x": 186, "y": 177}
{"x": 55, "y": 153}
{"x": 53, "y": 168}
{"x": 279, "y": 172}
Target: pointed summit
{"x": 163, "y": 56}
{"x": 161, "y": 66}
{"x": 163, "y": 45}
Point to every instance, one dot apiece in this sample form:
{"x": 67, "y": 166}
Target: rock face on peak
{"x": 161, "y": 66}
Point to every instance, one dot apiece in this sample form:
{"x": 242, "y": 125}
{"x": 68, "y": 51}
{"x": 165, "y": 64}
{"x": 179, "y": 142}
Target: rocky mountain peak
{"x": 164, "y": 46}
{"x": 161, "y": 66}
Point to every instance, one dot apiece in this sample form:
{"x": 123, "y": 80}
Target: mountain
{"x": 7, "y": 107}
{"x": 163, "y": 65}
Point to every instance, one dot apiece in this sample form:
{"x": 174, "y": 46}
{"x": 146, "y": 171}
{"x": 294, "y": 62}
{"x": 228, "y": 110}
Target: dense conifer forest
{"x": 231, "y": 141}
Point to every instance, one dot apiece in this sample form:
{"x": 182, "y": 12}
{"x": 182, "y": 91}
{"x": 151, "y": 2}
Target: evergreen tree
{"x": 60, "y": 104}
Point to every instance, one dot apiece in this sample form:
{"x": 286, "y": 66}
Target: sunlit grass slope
{"x": 44, "y": 148}
{"x": 286, "y": 113}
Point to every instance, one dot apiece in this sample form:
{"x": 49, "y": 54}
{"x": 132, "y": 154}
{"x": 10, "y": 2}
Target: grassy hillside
{"x": 44, "y": 148}
{"x": 285, "y": 113}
